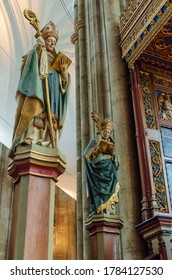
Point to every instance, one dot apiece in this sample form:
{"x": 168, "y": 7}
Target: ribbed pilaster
{"x": 103, "y": 86}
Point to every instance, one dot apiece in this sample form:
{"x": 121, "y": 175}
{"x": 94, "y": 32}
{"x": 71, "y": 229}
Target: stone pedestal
{"x": 35, "y": 170}
{"x": 104, "y": 231}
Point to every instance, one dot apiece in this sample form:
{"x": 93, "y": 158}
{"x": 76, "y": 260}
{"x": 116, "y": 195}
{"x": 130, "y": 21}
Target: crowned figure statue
{"x": 42, "y": 93}
{"x": 101, "y": 169}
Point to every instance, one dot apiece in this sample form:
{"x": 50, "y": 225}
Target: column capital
{"x": 37, "y": 160}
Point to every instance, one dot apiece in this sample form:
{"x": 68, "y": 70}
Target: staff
{"x": 29, "y": 15}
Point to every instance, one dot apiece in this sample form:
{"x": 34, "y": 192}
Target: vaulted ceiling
{"x": 16, "y": 39}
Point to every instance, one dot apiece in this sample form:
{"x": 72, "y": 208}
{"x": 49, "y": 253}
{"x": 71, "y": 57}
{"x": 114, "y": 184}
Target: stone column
{"x": 97, "y": 60}
{"x": 79, "y": 39}
{"x": 35, "y": 170}
{"x": 122, "y": 112}
{"x": 104, "y": 231}
{"x": 75, "y": 41}
{"x": 104, "y": 87}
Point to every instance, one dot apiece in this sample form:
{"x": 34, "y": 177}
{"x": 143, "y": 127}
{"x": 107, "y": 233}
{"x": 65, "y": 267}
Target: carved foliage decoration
{"x": 159, "y": 71}
{"x": 158, "y": 175}
{"x": 162, "y": 81}
{"x": 132, "y": 7}
{"x": 161, "y": 45}
{"x": 148, "y": 101}
{"x": 138, "y": 24}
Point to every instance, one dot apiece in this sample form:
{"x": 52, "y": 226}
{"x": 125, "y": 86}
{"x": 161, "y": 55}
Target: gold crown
{"x": 50, "y": 30}
{"x": 107, "y": 124}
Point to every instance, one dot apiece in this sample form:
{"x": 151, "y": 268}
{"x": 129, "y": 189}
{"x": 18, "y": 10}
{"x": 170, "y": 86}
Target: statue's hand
{"x": 63, "y": 67}
{"x": 40, "y": 41}
{"x": 111, "y": 150}
{"x": 95, "y": 153}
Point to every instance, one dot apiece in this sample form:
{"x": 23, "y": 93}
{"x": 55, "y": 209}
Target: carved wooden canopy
{"x": 146, "y": 31}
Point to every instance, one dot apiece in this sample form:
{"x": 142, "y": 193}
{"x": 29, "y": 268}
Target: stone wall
{"x": 64, "y": 226}
{"x": 6, "y": 193}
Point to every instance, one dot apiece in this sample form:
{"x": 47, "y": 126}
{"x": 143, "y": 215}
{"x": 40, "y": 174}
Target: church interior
{"x": 120, "y": 83}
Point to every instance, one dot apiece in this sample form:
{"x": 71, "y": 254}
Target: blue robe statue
{"x": 103, "y": 185}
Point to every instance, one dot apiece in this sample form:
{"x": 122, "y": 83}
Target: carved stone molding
{"x": 37, "y": 160}
{"x": 134, "y": 7}
{"x": 74, "y": 37}
{"x": 79, "y": 24}
{"x": 143, "y": 24}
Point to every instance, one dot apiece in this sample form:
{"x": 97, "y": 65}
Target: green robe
{"x": 103, "y": 185}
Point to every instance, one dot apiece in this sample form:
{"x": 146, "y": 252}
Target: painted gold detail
{"x": 140, "y": 24}
{"x": 148, "y": 101}
{"x": 158, "y": 175}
